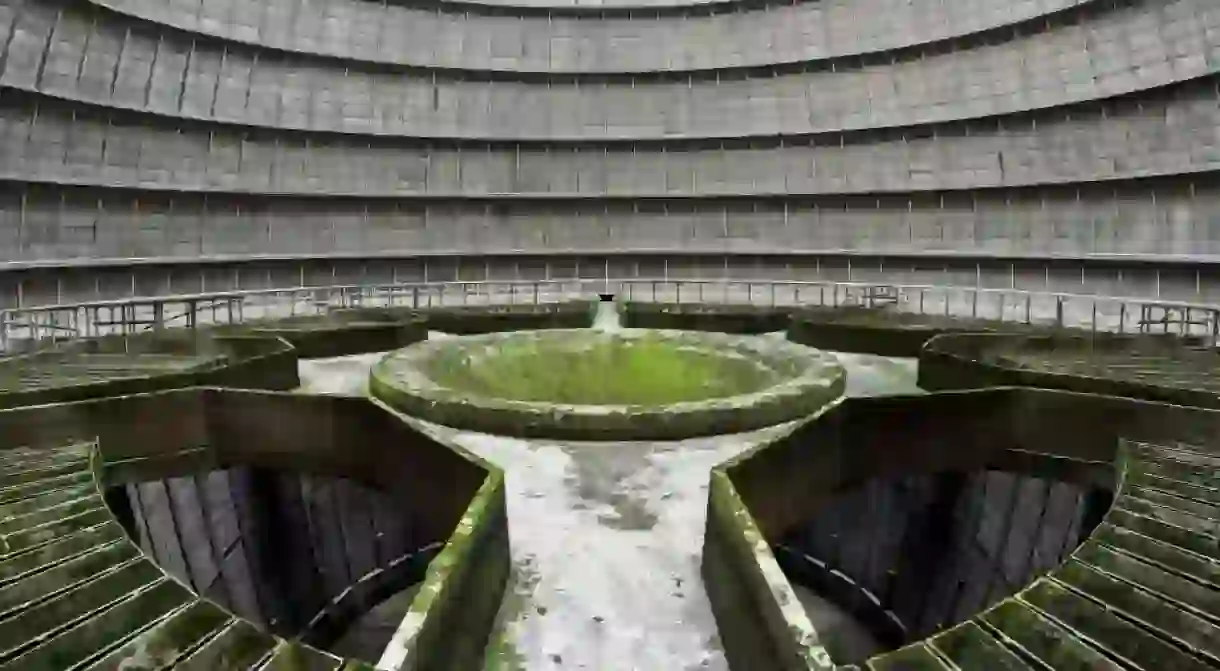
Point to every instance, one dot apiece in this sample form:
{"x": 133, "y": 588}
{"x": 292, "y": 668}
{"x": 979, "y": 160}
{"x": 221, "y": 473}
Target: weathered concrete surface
{"x": 606, "y": 538}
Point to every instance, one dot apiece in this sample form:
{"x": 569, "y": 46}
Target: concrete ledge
{"x": 743, "y": 319}
{"x": 1169, "y": 369}
{"x": 477, "y": 319}
{"x": 340, "y": 332}
{"x": 145, "y": 362}
{"x": 876, "y": 331}
{"x": 809, "y": 381}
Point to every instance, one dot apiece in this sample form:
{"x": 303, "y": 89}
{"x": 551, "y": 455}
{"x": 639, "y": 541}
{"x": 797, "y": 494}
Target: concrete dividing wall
{"x": 275, "y": 504}
{"x": 772, "y": 495}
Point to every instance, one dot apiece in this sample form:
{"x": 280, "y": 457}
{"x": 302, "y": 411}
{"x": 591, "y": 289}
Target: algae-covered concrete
{"x": 709, "y": 383}
{"x": 606, "y": 543}
{"x": 82, "y": 595}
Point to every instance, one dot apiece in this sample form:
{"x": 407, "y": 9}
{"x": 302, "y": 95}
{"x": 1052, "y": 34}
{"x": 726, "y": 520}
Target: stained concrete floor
{"x": 606, "y": 541}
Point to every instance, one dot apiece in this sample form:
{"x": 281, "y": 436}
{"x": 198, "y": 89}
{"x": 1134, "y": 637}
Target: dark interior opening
{"x": 902, "y": 558}
{"x": 282, "y": 549}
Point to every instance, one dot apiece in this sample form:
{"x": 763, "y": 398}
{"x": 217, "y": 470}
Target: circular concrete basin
{"x": 629, "y": 384}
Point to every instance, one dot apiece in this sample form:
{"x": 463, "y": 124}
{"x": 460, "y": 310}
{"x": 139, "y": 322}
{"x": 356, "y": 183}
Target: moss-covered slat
{"x": 1165, "y": 532}
{"x": 1183, "y": 489}
{"x": 30, "y": 537}
{"x": 1185, "y": 593}
{"x": 1165, "y": 618}
{"x": 917, "y": 657}
{"x": 54, "y": 513}
{"x": 21, "y": 455}
{"x": 295, "y": 657}
{"x": 22, "y": 492}
{"x": 237, "y": 648}
{"x": 1160, "y": 553}
{"x": 1199, "y": 456}
{"x": 967, "y": 646}
{"x": 1041, "y": 639}
{"x": 1174, "y": 470}
{"x": 98, "y": 634}
{"x": 70, "y": 545}
{"x": 25, "y": 477}
{"x": 39, "y": 586}
{"x": 46, "y": 618}
{"x": 1179, "y": 518}
{"x": 1200, "y": 509}
{"x": 47, "y": 499}
{"x": 168, "y": 642}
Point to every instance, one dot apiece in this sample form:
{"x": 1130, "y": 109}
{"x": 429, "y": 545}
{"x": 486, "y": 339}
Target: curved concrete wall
{"x": 1172, "y": 133}
{"x": 133, "y": 130}
{"x": 465, "y": 38}
{"x": 76, "y": 53}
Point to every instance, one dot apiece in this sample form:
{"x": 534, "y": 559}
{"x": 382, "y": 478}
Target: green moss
{"x": 603, "y": 370}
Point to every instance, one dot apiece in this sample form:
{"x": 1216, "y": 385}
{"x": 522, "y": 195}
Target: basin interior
{"x": 631, "y": 367}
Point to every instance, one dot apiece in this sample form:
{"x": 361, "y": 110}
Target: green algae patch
{"x": 630, "y": 384}
{"x": 601, "y": 370}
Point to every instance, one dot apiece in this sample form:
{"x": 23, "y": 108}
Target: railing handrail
{"x": 389, "y": 287}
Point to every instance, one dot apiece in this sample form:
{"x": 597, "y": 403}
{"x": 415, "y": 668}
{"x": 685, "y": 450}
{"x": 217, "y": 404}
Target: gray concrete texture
{"x": 456, "y": 38}
{"x": 48, "y": 224}
{"x": 70, "y": 52}
{"x": 1173, "y": 132}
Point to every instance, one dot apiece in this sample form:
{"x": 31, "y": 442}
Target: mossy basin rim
{"x": 589, "y": 367}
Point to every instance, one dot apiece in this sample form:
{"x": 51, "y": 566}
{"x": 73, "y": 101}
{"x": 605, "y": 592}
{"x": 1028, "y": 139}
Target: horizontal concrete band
{"x": 436, "y": 36}
{"x": 61, "y": 226}
{"x": 1176, "y": 131}
{"x": 64, "y": 51}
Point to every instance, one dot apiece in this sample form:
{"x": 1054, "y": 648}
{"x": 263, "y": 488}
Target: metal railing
{"x": 129, "y": 315}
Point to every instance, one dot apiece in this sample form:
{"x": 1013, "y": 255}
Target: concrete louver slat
{"x": 102, "y": 631}
{"x": 916, "y": 657}
{"x": 68, "y": 546}
{"x": 1038, "y": 637}
{"x": 30, "y": 538}
{"x": 239, "y": 646}
{"x": 25, "y": 491}
{"x": 1173, "y": 501}
{"x": 1200, "y": 526}
{"x": 293, "y": 657}
{"x": 169, "y": 641}
{"x": 36, "y": 456}
{"x": 46, "y": 500}
{"x": 1103, "y": 628}
{"x": 1174, "y": 470}
{"x": 1149, "y": 481}
{"x": 1166, "y": 555}
{"x": 968, "y": 646}
{"x": 1166, "y": 532}
{"x": 59, "y": 511}
{"x": 64, "y": 576}
{"x": 24, "y": 477}
{"x": 45, "y": 620}
{"x": 1182, "y": 610}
